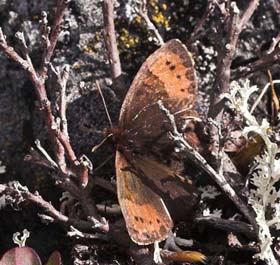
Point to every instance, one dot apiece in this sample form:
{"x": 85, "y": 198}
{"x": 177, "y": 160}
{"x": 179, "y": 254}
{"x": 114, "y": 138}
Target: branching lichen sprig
{"x": 264, "y": 197}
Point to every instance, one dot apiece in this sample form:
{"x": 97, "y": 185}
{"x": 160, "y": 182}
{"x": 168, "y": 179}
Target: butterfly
{"x": 147, "y": 188}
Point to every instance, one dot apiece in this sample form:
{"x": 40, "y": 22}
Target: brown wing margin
{"x": 146, "y": 217}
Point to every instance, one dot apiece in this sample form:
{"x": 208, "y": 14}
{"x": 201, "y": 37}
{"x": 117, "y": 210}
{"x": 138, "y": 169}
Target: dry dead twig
{"x": 57, "y": 132}
{"x": 58, "y": 137}
{"x": 143, "y": 12}
{"x": 226, "y": 50}
{"x": 118, "y": 77}
{"x": 194, "y": 155}
{"x": 16, "y": 193}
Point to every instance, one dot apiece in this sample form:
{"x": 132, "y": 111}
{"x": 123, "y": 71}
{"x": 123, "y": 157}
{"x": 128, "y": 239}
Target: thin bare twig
{"x": 45, "y": 154}
{"x": 62, "y": 76}
{"x": 40, "y": 159}
{"x": 262, "y": 94}
{"x": 235, "y": 25}
{"x": 60, "y": 141}
{"x": 51, "y": 36}
{"x": 198, "y": 27}
{"x": 110, "y": 38}
{"x": 118, "y": 77}
{"x": 143, "y": 12}
{"x": 226, "y": 51}
{"x": 274, "y": 44}
{"x": 192, "y": 154}
{"x": 263, "y": 63}
{"x": 15, "y": 191}
{"x": 74, "y": 232}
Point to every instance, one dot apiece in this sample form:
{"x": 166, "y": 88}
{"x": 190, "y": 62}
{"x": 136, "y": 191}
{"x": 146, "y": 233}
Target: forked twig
{"x": 143, "y": 12}
{"x": 226, "y": 51}
{"x": 191, "y": 153}
{"x": 15, "y": 191}
{"x": 57, "y": 133}
{"x": 58, "y": 136}
{"x": 198, "y": 27}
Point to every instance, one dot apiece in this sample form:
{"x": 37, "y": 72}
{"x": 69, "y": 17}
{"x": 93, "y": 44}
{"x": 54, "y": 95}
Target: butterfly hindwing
{"x": 176, "y": 191}
{"x": 147, "y": 219}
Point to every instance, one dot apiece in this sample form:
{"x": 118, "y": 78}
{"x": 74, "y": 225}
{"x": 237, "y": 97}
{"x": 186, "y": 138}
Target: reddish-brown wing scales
{"x": 167, "y": 75}
{"x": 147, "y": 219}
{"x": 144, "y": 184}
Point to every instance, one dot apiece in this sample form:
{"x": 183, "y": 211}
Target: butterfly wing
{"x": 176, "y": 191}
{"x": 146, "y": 217}
{"x": 167, "y": 75}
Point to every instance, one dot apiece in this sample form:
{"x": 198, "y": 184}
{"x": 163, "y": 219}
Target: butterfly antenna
{"x": 104, "y": 103}
{"x": 103, "y": 163}
{"x": 101, "y": 143}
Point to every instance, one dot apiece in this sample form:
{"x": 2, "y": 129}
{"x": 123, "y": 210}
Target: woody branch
{"x": 195, "y": 156}
{"x": 234, "y": 24}
{"x": 272, "y": 57}
{"x": 57, "y": 132}
{"x": 59, "y": 139}
{"x": 15, "y": 193}
{"x": 112, "y": 48}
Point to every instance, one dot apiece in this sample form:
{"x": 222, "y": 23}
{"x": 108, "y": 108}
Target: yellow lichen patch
{"x": 36, "y": 18}
{"x": 76, "y": 66}
{"x": 93, "y": 44}
{"x": 164, "y": 6}
{"x": 87, "y": 50}
{"x": 158, "y": 14}
{"x": 153, "y": 3}
{"x": 137, "y": 20}
{"x": 128, "y": 40}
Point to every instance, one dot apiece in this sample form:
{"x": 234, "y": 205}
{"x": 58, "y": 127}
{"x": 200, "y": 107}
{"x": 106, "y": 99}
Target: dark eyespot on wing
{"x": 162, "y": 76}
{"x": 140, "y": 205}
{"x": 172, "y": 67}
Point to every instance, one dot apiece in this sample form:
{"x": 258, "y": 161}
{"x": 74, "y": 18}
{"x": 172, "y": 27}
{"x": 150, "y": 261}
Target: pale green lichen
{"x": 209, "y": 192}
{"x": 264, "y": 197}
{"x": 20, "y": 241}
{"x": 215, "y": 213}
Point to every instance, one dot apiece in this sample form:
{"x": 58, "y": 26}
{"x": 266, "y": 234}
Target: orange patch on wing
{"x": 143, "y": 183}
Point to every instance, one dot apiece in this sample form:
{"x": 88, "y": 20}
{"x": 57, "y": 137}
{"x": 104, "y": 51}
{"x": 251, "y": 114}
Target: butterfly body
{"x": 147, "y": 188}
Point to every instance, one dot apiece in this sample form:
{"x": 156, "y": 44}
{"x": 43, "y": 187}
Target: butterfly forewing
{"x": 167, "y": 75}
{"x": 147, "y": 219}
